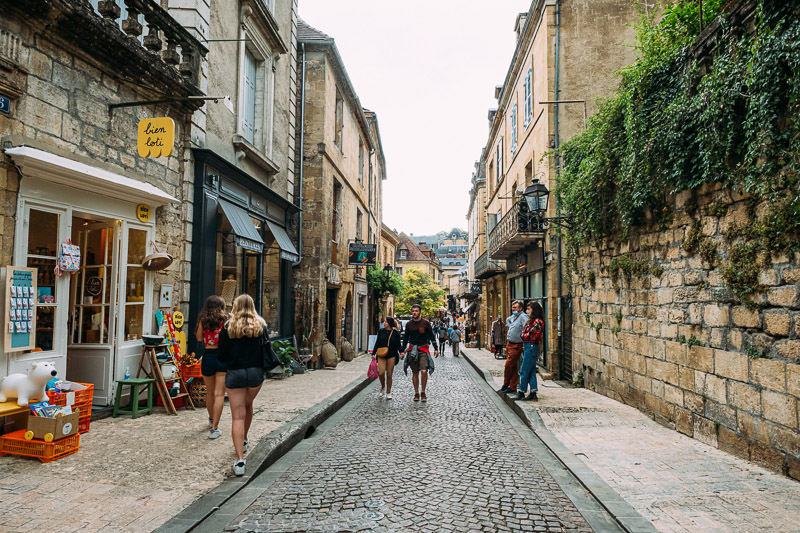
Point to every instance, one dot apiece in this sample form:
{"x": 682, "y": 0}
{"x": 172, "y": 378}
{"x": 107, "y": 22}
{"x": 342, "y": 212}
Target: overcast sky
{"x": 428, "y": 68}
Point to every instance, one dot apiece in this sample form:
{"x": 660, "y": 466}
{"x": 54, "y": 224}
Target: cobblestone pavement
{"x": 677, "y": 483}
{"x": 133, "y": 475}
{"x": 451, "y": 464}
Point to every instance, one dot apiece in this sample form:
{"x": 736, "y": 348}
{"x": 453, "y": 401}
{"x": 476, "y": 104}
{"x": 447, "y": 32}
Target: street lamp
{"x": 388, "y": 270}
{"x": 537, "y": 197}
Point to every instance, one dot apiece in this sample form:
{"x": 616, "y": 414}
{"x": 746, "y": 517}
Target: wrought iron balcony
{"x": 486, "y": 268}
{"x": 518, "y": 229}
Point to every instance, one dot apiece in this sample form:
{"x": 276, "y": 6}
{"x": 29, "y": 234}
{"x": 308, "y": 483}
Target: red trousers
{"x": 511, "y": 370}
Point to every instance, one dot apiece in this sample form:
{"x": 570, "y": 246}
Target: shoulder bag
{"x": 270, "y": 359}
{"x": 383, "y": 351}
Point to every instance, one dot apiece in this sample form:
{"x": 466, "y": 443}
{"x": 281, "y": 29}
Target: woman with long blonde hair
{"x": 240, "y": 347}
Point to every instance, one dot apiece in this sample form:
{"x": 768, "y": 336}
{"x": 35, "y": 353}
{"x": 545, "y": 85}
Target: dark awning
{"x": 288, "y": 251}
{"x": 246, "y": 233}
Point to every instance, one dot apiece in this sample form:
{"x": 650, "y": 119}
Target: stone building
{"x": 410, "y": 255}
{"x": 244, "y": 159}
{"x": 568, "y": 52}
{"x": 70, "y": 170}
{"x": 386, "y": 256}
{"x": 479, "y": 266}
{"x": 342, "y": 169}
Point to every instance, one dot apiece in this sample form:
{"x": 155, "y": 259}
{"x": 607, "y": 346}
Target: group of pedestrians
{"x": 523, "y": 340}
{"x": 232, "y": 362}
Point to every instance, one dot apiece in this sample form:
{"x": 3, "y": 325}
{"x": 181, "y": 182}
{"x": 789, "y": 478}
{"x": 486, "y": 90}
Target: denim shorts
{"x": 210, "y": 365}
{"x": 244, "y": 377}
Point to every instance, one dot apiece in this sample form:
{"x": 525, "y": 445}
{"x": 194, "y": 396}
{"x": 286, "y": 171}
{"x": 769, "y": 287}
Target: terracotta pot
{"x": 329, "y": 356}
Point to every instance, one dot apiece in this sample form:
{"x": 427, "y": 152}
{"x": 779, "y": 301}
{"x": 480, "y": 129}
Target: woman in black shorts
{"x": 240, "y": 348}
{"x": 209, "y": 325}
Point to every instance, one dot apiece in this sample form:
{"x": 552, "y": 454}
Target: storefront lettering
{"x": 156, "y": 137}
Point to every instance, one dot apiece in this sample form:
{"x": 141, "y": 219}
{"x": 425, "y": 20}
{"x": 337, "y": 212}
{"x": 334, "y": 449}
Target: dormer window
{"x": 403, "y": 254}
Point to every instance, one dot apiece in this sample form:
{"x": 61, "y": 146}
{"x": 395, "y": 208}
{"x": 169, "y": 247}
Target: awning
{"x": 466, "y": 310}
{"x": 246, "y": 234}
{"x": 288, "y": 251}
{"x": 54, "y": 168}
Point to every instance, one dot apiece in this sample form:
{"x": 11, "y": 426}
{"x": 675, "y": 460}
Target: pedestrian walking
{"x": 532, "y": 335}
{"x": 449, "y": 331}
{"x": 442, "y": 334}
{"x": 515, "y": 323}
{"x": 240, "y": 346}
{"x": 455, "y": 340}
{"x": 416, "y": 338}
{"x": 387, "y": 352}
{"x": 498, "y": 337}
{"x": 209, "y": 325}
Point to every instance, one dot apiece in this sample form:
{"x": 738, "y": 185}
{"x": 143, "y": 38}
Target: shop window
{"x": 229, "y": 261}
{"x": 270, "y": 304}
{"x": 41, "y": 254}
{"x": 134, "y": 280}
{"x": 92, "y": 286}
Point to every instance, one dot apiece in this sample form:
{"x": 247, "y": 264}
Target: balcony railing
{"x": 486, "y": 268}
{"x": 469, "y": 289}
{"x": 518, "y": 229}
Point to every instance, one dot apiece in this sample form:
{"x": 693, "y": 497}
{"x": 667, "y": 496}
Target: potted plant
{"x": 285, "y": 352}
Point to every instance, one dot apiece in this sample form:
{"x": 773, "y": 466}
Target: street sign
{"x": 5, "y": 104}
{"x": 361, "y": 254}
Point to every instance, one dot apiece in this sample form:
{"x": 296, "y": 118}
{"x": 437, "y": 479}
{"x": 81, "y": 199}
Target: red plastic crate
{"x": 84, "y": 396}
{"x": 83, "y": 423}
{"x": 47, "y": 452}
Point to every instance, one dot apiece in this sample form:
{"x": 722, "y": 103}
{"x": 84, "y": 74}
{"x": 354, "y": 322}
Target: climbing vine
{"x": 672, "y": 126}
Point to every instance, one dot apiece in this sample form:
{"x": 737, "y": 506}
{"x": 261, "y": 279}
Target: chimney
{"x": 497, "y": 90}
{"x": 519, "y": 25}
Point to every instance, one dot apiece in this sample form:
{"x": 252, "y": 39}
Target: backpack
{"x": 455, "y": 335}
{"x": 533, "y": 332}
{"x": 69, "y": 260}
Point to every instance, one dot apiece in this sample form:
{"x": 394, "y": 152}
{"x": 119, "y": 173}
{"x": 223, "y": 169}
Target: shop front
{"x": 89, "y": 322}
{"x": 240, "y": 243}
{"x": 527, "y": 280}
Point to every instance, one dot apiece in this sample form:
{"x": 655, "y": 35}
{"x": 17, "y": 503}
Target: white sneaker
{"x": 388, "y": 395}
{"x": 244, "y": 448}
{"x": 214, "y": 433}
{"x": 210, "y": 423}
{"x": 238, "y": 467}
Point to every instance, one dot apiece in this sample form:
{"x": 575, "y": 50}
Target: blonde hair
{"x": 244, "y": 321}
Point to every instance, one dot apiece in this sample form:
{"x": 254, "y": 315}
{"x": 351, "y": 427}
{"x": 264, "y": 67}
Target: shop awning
{"x": 54, "y": 168}
{"x": 288, "y": 251}
{"x": 246, "y": 234}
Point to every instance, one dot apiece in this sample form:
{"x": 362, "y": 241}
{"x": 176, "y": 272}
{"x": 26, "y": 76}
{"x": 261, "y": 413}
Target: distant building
{"x": 410, "y": 255}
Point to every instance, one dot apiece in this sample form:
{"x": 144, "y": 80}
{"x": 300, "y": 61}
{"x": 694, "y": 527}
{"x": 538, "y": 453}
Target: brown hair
{"x": 212, "y": 315}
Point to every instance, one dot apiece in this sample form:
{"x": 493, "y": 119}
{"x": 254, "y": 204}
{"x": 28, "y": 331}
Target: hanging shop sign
{"x": 143, "y": 212}
{"x": 361, "y": 254}
{"x": 177, "y": 319}
{"x": 20, "y": 305}
{"x": 156, "y": 137}
{"x": 94, "y": 286}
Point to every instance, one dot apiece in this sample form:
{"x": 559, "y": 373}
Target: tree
{"x": 381, "y": 284}
{"x": 419, "y": 289}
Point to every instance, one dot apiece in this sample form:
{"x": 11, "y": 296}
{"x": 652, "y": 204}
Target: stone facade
{"x": 61, "y": 85}
{"x": 658, "y": 328}
{"x": 341, "y": 167}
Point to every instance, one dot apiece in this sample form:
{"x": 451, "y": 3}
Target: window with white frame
{"x": 528, "y": 98}
{"x": 256, "y": 98}
{"x": 514, "y": 128}
{"x": 500, "y": 159}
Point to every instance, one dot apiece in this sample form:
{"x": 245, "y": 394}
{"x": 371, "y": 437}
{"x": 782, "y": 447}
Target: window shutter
{"x": 249, "y": 117}
{"x": 528, "y": 98}
{"x": 514, "y": 129}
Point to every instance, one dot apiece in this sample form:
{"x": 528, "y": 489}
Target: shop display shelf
{"x": 47, "y": 452}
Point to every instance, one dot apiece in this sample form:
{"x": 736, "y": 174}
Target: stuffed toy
{"x": 28, "y": 388}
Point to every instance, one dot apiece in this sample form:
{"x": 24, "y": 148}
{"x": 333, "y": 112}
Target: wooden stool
{"x": 133, "y": 408}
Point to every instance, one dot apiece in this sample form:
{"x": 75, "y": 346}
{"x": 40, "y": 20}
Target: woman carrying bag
{"x": 240, "y": 346}
{"x": 387, "y": 353}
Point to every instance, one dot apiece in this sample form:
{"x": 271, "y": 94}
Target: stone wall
{"x": 658, "y": 328}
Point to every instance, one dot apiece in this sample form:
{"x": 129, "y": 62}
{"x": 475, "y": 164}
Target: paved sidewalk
{"x": 133, "y": 475}
{"x": 676, "y": 482}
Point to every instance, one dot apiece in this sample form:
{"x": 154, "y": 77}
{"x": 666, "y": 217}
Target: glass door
{"x": 93, "y": 306}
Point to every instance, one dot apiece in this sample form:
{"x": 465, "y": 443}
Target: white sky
{"x": 428, "y": 68}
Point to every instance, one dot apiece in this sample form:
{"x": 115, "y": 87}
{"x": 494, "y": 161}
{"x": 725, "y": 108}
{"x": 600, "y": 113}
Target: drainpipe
{"x": 558, "y": 212}
{"x": 302, "y": 154}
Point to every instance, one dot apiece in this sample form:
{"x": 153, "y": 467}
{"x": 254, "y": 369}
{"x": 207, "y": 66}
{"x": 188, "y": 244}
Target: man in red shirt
{"x": 418, "y": 334}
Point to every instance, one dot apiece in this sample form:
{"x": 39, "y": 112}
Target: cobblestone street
{"x": 454, "y": 463}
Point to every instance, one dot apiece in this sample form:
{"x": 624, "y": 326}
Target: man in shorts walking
{"x": 416, "y": 338}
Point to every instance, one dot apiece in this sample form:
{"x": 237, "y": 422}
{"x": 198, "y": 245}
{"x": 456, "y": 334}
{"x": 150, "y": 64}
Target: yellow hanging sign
{"x": 177, "y": 320}
{"x": 156, "y": 137}
{"x": 143, "y": 212}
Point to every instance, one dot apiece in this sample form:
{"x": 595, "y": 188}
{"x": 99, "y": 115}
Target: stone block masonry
{"x": 659, "y": 328}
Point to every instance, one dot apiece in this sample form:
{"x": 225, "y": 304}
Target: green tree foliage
{"x": 419, "y": 289}
{"x": 381, "y": 283}
{"x": 672, "y": 127}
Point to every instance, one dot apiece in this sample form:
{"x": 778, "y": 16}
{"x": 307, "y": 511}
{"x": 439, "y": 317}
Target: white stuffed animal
{"x": 31, "y": 387}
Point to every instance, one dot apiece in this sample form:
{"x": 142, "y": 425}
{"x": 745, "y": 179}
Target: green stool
{"x": 133, "y": 407}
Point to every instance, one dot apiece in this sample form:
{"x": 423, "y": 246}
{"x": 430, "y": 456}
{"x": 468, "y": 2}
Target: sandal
{"x": 424, "y": 398}
{"x": 416, "y": 397}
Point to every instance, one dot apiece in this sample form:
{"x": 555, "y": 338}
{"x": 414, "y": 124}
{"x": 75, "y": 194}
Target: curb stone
{"x": 627, "y": 517}
{"x": 269, "y": 450}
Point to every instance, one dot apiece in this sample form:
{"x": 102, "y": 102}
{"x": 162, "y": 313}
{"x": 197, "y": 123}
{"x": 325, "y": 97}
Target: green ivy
{"x": 669, "y": 127}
